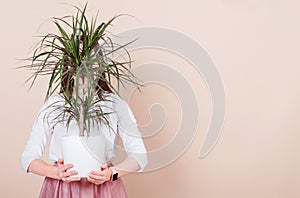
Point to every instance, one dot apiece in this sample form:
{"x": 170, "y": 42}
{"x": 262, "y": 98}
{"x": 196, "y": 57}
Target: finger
{"x": 91, "y": 180}
{"x": 104, "y": 166}
{"x": 98, "y": 173}
{"x": 72, "y": 179}
{"x": 70, "y": 173}
{"x": 67, "y": 166}
{"x": 97, "y": 177}
{"x": 60, "y": 161}
{"x": 97, "y": 182}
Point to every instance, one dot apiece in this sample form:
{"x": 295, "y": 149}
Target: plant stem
{"x": 82, "y": 93}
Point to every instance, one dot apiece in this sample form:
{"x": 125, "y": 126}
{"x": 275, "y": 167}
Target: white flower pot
{"x": 85, "y": 153}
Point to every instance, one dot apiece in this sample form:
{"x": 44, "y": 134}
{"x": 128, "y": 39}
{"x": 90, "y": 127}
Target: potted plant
{"x": 79, "y": 58}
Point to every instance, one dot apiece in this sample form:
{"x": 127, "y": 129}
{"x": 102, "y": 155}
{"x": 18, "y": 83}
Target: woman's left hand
{"x": 99, "y": 177}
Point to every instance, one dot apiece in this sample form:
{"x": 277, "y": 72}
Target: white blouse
{"x": 122, "y": 121}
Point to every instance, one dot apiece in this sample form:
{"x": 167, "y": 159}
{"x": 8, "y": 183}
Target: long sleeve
{"x": 130, "y": 134}
{"x": 38, "y": 137}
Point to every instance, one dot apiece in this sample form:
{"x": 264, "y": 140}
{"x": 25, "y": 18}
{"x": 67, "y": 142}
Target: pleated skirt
{"x": 54, "y": 188}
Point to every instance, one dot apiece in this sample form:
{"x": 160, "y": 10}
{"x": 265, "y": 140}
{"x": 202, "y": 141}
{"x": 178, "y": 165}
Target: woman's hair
{"x": 67, "y": 82}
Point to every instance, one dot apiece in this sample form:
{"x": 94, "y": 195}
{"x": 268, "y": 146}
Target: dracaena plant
{"x": 77, "y": 58}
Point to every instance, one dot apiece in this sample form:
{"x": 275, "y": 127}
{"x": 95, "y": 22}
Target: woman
{"x": 103, "y": 183}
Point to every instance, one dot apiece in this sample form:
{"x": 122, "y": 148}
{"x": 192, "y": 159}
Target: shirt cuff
{"x": 141, "y": 159}
{"x": 26, "y": 162}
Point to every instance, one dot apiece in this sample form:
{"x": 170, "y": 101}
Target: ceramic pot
{"x": 85, "y": 153}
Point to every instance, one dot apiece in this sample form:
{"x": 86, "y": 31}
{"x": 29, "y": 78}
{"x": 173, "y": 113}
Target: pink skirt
{"x": 54, "y": 188}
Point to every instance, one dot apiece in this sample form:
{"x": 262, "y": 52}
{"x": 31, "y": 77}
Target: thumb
{"x": 60, "y": 161}
{"x": 104, "y": 166}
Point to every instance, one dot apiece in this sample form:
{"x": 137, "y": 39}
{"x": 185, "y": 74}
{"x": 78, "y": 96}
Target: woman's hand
{"x": 99, "y": 177}
{"x": 62, "y": 172}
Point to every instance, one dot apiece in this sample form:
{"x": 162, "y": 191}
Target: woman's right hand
{"x": 63, "y": 173}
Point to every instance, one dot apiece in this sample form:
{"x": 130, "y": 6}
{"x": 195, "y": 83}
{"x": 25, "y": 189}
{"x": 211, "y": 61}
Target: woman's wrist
{"x": 114, "y": 174}
{"x": 40, "y": 167}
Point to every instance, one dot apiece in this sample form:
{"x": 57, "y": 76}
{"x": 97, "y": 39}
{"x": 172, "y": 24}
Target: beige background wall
{"x": 254, "y": 43}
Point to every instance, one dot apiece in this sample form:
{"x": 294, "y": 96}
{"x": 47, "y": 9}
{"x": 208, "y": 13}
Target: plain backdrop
{"x": 255, "y": 45}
